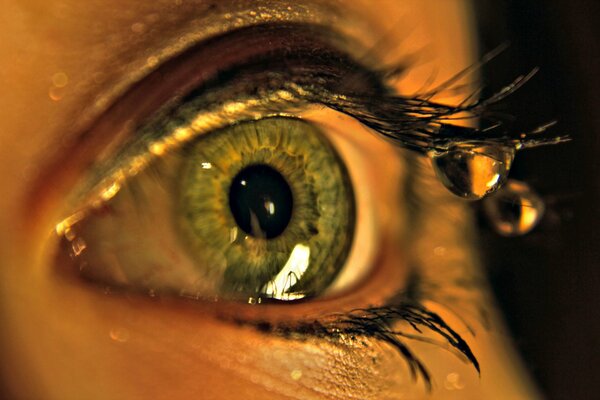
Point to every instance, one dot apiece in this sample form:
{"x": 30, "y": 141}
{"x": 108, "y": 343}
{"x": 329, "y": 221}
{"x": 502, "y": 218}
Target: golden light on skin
{"x": 109, "y": 348}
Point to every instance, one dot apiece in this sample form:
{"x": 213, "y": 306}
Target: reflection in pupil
{"x": 261, "y": 201}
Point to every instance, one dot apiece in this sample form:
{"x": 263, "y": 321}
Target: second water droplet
{"x": 514, "y": 210}
{"x": 473, "y": 170}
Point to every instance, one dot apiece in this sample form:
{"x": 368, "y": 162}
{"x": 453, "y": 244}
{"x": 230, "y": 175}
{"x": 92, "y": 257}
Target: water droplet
{"x": 55, "y": 93}
{"x": 514, "y": 210}
{"x": 473, "y": 170}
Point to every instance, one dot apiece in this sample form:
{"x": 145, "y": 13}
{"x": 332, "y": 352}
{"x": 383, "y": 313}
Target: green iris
{"x": 267, "y": 207}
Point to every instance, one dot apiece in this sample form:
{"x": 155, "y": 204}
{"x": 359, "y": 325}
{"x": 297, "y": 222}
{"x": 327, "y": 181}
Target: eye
{"x": 257, "y": 210}
{"x": 243, "y": 209}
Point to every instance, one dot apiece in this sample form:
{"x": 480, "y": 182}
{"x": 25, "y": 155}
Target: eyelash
{"x": 414, "y": 123}
{"x": 377, "y": 323}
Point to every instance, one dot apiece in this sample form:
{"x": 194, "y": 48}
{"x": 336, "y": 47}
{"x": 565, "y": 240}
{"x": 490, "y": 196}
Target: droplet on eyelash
{"x": 514, "y": 210}
{"x": 473, "y": 170}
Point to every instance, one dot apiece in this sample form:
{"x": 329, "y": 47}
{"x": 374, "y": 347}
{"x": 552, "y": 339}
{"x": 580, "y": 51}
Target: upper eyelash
{"x": 415, "y": 123}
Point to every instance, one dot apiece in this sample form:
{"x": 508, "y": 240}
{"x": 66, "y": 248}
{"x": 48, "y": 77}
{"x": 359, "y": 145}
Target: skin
{"x": 63, "y": 339}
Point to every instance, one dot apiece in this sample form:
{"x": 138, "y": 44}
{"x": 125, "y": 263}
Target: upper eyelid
{"x": 145, "y": 98}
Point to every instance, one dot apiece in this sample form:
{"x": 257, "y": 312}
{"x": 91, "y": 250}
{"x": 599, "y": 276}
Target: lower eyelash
{"x": 378, "y": 323}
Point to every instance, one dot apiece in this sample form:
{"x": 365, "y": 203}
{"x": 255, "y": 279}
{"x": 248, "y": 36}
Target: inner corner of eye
{"x": 259, "y": 210}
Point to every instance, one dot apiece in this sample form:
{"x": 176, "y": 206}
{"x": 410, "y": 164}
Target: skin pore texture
{"x": 63, "y": 63}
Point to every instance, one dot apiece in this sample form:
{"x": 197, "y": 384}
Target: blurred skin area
{"x": 63, "y": 63}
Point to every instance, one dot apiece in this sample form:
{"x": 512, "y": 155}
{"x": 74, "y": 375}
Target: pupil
{"x": 261, "y": 201}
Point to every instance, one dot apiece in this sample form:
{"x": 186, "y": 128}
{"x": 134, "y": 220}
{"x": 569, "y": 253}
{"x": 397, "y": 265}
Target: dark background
{"x": 547, "y": 282}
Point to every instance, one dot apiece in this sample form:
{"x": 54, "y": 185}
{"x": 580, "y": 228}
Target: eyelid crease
{"x": 231, "y": 106}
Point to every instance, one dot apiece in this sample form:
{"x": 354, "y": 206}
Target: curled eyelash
{"x": 422, "y": 125}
